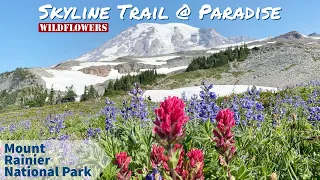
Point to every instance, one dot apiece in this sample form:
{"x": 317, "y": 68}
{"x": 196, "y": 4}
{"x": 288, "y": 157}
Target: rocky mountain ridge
{"x": 272, "y": 65}
{"x": 151, "y": 39}
{"x": 272, "y": 52}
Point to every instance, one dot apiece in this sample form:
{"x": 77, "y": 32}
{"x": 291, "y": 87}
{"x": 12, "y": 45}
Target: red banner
{"x": 73, "y": 27}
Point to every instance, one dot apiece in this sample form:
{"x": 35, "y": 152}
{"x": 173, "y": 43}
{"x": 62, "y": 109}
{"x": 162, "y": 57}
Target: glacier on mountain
{"x": 151, "y": 39}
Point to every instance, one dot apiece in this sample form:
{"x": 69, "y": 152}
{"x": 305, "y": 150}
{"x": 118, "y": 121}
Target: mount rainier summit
{"x": 151, "y": 39}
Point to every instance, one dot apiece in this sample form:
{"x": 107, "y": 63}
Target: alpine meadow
{"x": 176, "y": 102}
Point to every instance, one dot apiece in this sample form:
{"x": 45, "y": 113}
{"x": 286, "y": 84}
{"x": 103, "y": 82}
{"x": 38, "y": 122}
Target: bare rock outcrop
{"x": 131, "y": 67}
{"x": 102, "y": 71}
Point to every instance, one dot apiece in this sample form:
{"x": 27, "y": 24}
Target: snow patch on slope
{"x": 305, "y": 36}
{"x": 232, "y": 46}
{"x": 240, "y": 43}
{"x": 89, "y": 64}
{"x": 214, "y": 51}
{"x": 167, "y": 70}
{"x": 220, "y": 90}
{"x": 83, "y": 58}
{"x": 259, "y": 45}
{"x": 63, "y": 78}
{"x": 314, "y": 37}
{"x": 156, "y": 60}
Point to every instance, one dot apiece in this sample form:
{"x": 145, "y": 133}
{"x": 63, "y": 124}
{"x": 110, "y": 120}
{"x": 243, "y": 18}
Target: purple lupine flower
{"x": 207, "y": 108}
{"x": 314, "y": 114}
{"x": 259, "y": 106}
{"x": 237, "y": 118}
{"x": 213, "y": 95}
{"x": 93, "y": 132}
{"x": 63, "y": 137}
{"x": 27, "y": 124}
{"x": 247, "y": 104}
{"x": 110, "y": 114}
{"x": 56, "y": 122}
{"x": 90, "y": 132}
{"x": 184, "y": 97}
{"x": 251, "y": 108}
{"x": 192, "y": 107}
{"x": 2, "y": 129}
{"x": 313, "y": 97}
{"x": 155, "y": 175}
{"x": 235, "y": 108}
{"x": 126, "y": 111}
{"x": 12, "y": 128}
{"x": 97, "y": 131}
{"x": 138, "y": 106}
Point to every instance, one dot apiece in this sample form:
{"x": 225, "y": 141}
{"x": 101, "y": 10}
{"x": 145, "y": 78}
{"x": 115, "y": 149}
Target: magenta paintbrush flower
{"x": 170, "y": 120}
{"x": 225, "y": 119}
{"x": 157, "y": 156}
{"x": 196, "y": 163}
{"x": 123, "y": 161}
{"x": 224, "y": 137}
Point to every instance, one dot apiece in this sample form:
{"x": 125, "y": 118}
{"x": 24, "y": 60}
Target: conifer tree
{"x": 84, "y": 96}
{"x": 51, "y": 96}
{"x": 92, "y": 94}
{"x": 59, "y": 98}
{"x": 110, "y": 85}
{"x": 70, "y": 96}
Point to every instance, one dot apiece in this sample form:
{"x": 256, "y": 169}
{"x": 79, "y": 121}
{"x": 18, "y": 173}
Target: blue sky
{"x": 22, "y": 46}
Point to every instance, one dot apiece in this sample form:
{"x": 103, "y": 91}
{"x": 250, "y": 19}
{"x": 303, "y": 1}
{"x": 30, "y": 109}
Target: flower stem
{"x": 229, "y": 175}
{"x": 228, "y": 169}
{"x": 172, "y": 171}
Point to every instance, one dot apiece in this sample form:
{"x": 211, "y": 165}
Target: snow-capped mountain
{"x": 314, "y": 35}
{"x": 150, "y": 39}
{"x": 238, "y": 39}
{"x": 161, "y": 44}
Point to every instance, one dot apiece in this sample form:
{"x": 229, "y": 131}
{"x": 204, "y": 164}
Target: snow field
{"x": 220, "y": 90}
{"x": 156, "y": 60}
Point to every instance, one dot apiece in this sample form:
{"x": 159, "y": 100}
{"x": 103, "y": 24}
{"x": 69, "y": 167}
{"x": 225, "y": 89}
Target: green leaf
{"x": 243, "y": 173}
{"x": 165, "y": 176}
{"x": 265, "y": 141}
{"x": 174, "y": 160}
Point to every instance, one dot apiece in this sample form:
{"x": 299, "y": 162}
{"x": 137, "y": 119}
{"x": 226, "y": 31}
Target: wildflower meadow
{"x": 254, "y": 135}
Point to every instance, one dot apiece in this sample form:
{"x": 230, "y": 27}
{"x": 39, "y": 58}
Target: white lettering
{"x": 275, "y": 13}
{"x": 123, "y": 9}
{"x": 240, "y": 13}
{"x": 205, "y": 9}
{"x": 104, "y": 12}
{"x": 248, "y": 15}
{"x": 43, "y": 9}
{"x": 55, "y": 13}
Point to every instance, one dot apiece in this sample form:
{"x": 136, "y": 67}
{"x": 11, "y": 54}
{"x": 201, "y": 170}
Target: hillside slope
{"x": 272, "y": 65}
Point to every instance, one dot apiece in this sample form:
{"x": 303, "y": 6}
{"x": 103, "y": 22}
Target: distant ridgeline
{"x": 29, "y": 96}
{"x": 219, "y": 59}
{"x": 33, "y": 96}
{"x": 21, "y": 89}
{"x": 36, "y": 95}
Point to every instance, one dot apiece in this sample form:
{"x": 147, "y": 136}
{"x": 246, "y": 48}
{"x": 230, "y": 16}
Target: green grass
{"x": 237, "y": 73}
{"x": 181, "y": 79}
{"x": 235, "y": 65}
{"x": 316, "y": 59}
{"x": 289, "y": 67}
